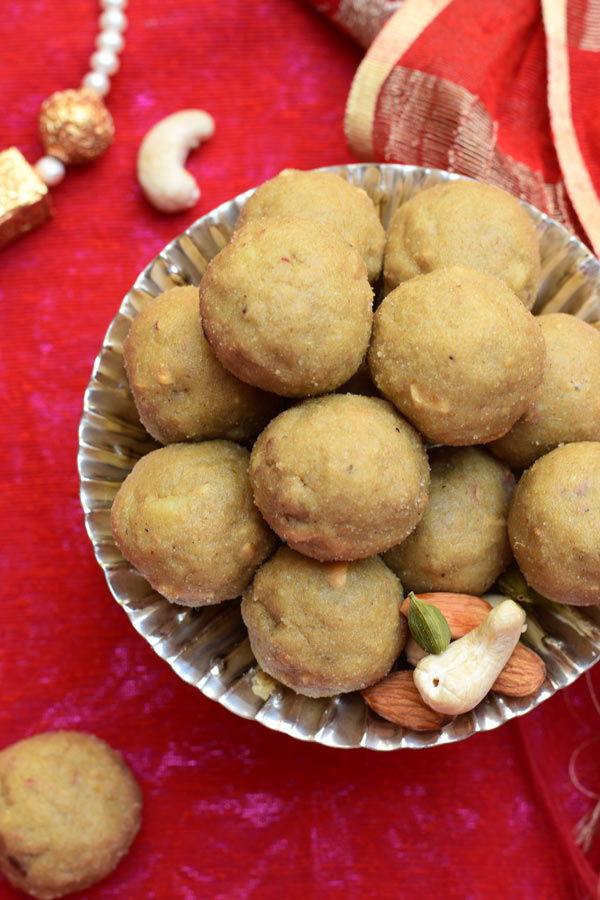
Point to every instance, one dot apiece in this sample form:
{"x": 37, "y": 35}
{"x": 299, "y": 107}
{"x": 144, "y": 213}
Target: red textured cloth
{"x": 503, "y": 92}
{"x": 233, "y": 811}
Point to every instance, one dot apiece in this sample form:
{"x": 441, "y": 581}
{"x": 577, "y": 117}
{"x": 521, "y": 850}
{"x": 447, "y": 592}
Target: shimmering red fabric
{"x": 232, "y": 811}
{"x": 583, "y": 32}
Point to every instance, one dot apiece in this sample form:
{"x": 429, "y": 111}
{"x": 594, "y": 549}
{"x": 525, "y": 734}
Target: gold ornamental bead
{"x": 24, "y": 198}
{"x": 75, "y": 126}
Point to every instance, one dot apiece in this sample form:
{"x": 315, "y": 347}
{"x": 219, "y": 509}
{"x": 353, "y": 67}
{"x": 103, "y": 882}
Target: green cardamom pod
{"x": 428, "y": 625}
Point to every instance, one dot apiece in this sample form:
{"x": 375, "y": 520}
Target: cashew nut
{"x": 455, "y": 681}
{"x": 414, "y": 652}
{"x": 162, "y": 155}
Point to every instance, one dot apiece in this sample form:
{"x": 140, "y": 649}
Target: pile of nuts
{"x": 484, "y": 654}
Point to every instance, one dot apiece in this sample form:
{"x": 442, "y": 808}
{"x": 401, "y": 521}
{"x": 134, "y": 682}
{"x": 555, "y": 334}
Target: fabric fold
{"x": 471, "y": 90}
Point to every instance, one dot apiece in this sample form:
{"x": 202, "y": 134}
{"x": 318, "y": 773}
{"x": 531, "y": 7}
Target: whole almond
{"x": 463, "y": 612}
{"x": 523, "y": 674}
{"x": 397, "y": 699}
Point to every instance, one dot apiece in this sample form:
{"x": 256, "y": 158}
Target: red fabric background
{"x": 497, "y": 52}
{"x": 232, "y": 810}
{"x": 584, "y": 49}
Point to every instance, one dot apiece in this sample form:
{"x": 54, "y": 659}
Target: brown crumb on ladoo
{"x": 69, "y": 811}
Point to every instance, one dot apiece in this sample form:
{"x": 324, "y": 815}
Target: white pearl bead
{"x": 98, "y": 82}
{"x": 110, "y": 40}
{"x": 50, "y": 170}
{"x": 113, "y": 17}
{"x": 114, "y": 4}
{"x": 104, "y": 61}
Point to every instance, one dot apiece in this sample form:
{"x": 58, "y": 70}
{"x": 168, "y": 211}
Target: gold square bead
{"x": 24, "y": 199}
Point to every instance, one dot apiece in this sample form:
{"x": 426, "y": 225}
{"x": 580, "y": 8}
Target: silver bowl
{"x": 209, "y": 647}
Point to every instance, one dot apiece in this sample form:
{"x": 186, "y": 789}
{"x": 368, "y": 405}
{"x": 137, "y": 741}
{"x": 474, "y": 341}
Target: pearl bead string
{"x": 104, "y": 62}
